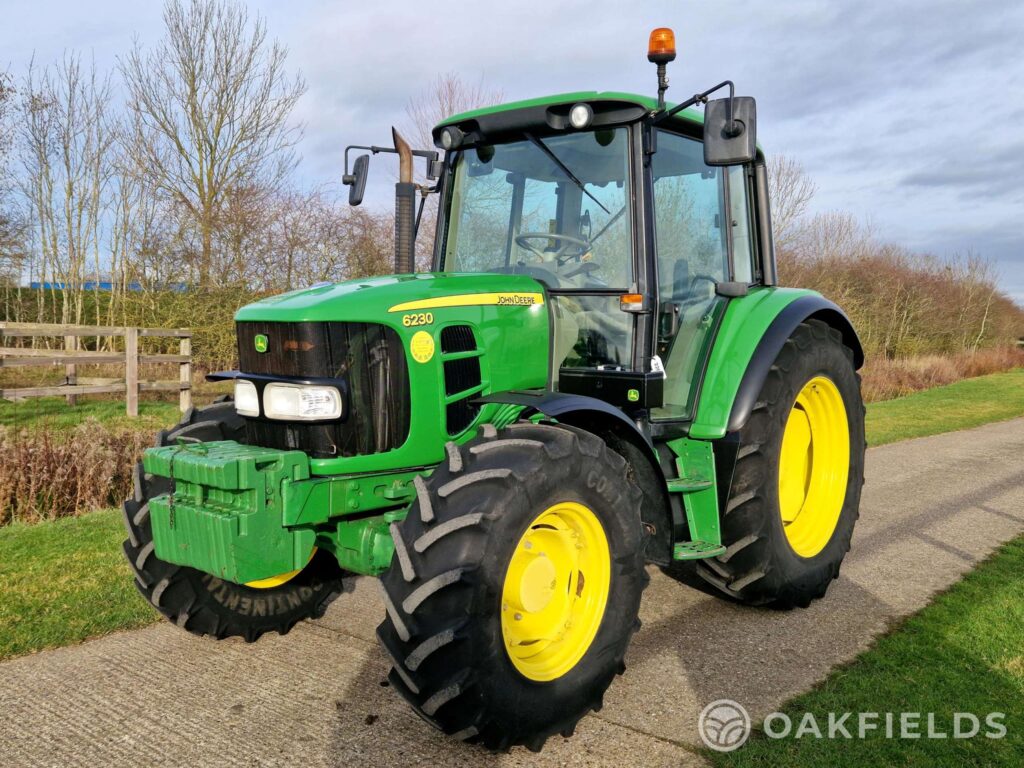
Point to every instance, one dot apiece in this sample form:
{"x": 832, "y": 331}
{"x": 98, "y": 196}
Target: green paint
{"x": 245, "y": 513}
{"x": 261, "y": 343}
{"x": 364, "y": 546}
{"x": 224, "y": 516}
{"x": 742, "y": 327}
{"x": 695, "y": 463}
{"x": 317, "y": 500}
{"x": 514, "y": 341}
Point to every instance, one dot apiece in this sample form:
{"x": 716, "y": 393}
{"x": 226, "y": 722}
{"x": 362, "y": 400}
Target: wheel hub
{"x": 555, "y": 591}
{"x": 814, "y": 464}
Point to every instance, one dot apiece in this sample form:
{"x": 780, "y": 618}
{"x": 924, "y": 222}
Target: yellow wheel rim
{"x": 813, "y": 466}
{"x": 282, "y": 578}
{"x": 555, "y": 591}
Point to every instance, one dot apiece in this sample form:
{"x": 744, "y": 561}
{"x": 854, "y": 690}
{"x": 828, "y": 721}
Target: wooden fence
{"x": 72, "y": 356}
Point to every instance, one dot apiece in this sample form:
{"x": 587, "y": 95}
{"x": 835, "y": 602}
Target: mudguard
{"x": 623, "y": 436}
{"x": 745, "y": 348}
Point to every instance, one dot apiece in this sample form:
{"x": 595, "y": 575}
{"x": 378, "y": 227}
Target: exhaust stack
{"x": 405, "y": 209}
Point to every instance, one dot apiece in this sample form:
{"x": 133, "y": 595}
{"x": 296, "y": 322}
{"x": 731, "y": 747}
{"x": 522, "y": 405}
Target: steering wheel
{"x": 523, "y": 241}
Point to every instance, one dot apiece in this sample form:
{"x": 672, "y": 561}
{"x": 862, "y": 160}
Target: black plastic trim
{"x": 781, "y": 328}
{"x": 555, "y": 404}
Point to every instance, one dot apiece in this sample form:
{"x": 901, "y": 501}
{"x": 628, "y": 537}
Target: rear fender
{"x": 749, "y": 339}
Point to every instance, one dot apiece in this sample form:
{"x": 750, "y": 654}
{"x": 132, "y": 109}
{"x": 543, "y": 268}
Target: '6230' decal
{"x": 417, "y": 318}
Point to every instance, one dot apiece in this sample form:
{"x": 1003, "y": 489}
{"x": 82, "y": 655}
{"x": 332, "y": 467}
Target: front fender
{"x": 622, "y": 435}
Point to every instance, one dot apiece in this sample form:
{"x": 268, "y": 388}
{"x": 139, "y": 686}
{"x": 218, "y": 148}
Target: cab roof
{"x": 610, "y": 107}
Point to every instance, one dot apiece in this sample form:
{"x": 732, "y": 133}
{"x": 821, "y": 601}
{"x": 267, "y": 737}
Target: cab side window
{"x": 692, "y": 245}
{"x": 741, "y": 215}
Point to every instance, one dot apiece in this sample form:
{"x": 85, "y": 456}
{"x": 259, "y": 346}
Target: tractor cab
{"x": 617, "y": 212}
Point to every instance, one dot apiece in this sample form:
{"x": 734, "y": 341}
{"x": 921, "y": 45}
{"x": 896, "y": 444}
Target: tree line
{"x": 175, "y": 169}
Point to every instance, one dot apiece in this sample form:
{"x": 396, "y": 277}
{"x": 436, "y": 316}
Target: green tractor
{"x": 599, "y": 373}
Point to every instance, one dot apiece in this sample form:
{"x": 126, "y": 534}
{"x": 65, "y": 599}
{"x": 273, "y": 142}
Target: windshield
{"x": 555, "y": 208}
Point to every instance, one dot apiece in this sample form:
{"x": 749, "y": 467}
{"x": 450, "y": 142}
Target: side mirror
{"x": 357, "y": 179}
{"x": 730, "y": 142}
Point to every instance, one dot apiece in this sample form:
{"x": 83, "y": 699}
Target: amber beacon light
{"x": 661, "y": 48}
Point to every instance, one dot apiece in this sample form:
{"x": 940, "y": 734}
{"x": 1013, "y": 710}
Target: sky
{"x": 909, "y": 115}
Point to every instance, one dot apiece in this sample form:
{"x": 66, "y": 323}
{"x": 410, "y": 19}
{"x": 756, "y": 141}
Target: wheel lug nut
{"x": 518, "y": 616}
{"x": 528, "y": 545}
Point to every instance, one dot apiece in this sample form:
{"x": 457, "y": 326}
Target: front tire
{"x": 515, "y": 586}
{"x": 203, "y": 604}
{"x": 795, "y": 494}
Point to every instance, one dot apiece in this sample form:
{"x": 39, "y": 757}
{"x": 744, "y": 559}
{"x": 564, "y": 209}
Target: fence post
{"x": 131, "y": 370}
{"x": 185, "y": 375}
{"x": 71, "y": 370}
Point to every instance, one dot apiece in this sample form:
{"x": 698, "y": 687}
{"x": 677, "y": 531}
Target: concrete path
{"x": 932, "y": 508}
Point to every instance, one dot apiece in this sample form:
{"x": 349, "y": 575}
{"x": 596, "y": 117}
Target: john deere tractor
{"x": 598, "y": 373}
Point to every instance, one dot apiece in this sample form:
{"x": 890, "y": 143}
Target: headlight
{"x": 247, "y": 401}
{"x": 301, "y": 402}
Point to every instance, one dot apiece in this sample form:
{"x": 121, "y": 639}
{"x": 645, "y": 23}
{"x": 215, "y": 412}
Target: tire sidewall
{"x": 544, "y": 702}
{"x": 829, "y": 361}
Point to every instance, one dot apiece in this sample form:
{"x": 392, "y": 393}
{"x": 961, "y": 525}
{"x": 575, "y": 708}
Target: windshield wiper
{"x": 564, "y": 168}
{"x": 611, "y": 221}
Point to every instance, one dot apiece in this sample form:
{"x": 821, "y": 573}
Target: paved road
{"x": 932, "y": 508}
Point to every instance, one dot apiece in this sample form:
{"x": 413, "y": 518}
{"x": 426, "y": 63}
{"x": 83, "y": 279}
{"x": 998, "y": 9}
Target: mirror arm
{"x": 429, "y": 154}
{"x": 702, "y": 98}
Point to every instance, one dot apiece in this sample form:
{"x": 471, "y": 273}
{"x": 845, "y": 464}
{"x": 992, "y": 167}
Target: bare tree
{"x": 212, "y": 103}
{"x": 11, "y": 224}
{"x": 65, "y": 140}
{"x": 790, "y": 190}
{"x": 446, "y": 95}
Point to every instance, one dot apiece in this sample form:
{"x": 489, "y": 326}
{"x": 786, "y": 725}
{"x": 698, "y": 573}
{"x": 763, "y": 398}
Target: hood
{"x": 370, "y": 299}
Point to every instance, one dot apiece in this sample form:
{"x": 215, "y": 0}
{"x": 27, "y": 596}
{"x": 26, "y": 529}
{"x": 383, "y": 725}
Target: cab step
{"x": 688, "y": 485}
{"x": 697, "y": 550}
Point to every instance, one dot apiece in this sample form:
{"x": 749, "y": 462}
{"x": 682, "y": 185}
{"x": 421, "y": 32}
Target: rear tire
{"x": 446, "y": 589}
{"x": 761, "y": 565}
{"x": 198, "y": 602}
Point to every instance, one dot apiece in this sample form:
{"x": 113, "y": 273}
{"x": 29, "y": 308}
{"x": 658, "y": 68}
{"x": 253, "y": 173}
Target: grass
{"x": 965, "y": 404}
{"x": 962, "y": 653}
{"x": 53, "y": 413}
{"x": 64, "y": 581}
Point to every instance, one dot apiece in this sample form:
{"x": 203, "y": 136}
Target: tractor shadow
{"x": 693, "y": 648}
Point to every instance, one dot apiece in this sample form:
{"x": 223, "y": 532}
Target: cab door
{"x": 702, "y": 236}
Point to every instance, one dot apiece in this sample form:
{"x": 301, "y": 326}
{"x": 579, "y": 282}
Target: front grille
{"x": 459, "y": 376}
{"x": 367, "y": 357}
{"x": 457, "y": 338}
